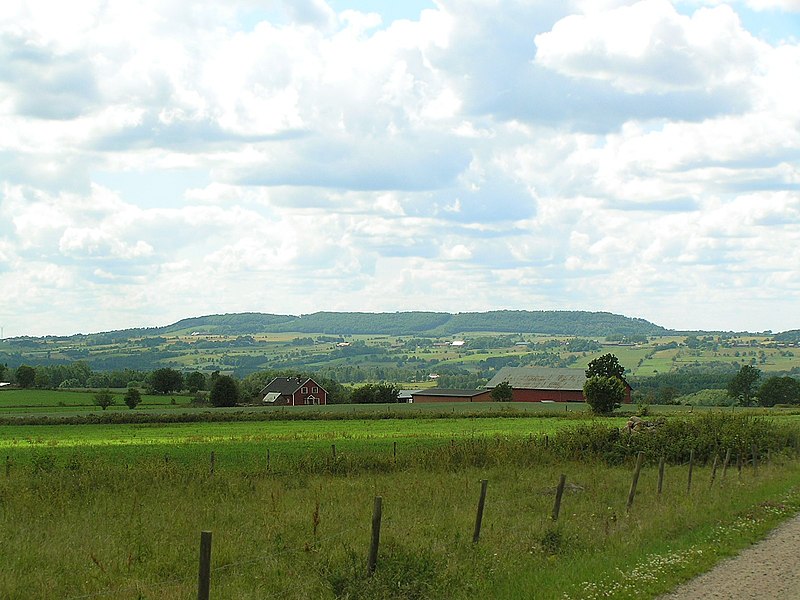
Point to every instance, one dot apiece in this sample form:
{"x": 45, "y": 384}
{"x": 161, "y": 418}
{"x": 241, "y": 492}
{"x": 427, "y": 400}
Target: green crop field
{"x": 115, "y": 511}
{"x": 38, "y": 399}
{"x": 263, "y": 432}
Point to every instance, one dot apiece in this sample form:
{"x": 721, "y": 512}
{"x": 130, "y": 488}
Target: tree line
{"x": 747, "y": 387}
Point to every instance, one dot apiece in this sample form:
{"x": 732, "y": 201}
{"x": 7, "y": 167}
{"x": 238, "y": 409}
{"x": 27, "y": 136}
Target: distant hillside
{"x": 583, "y": 323}
{"x": 791, "y": 336}
{"x": 551, "y": 322}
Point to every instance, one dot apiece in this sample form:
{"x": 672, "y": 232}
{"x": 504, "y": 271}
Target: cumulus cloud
{"x": 650, "y": 47}
{"x": 631, "y": 156}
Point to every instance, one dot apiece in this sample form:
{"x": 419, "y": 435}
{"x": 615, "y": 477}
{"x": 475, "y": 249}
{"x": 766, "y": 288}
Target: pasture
{"x": 115, "y": 511}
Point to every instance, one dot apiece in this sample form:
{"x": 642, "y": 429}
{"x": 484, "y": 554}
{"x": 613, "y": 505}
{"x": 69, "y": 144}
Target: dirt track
{"x": 768, "y": 570}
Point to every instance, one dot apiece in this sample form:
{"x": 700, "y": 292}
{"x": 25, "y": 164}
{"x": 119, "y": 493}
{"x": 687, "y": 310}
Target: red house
{"x": 293, "y": 391}
{"x": 541, "y": 384}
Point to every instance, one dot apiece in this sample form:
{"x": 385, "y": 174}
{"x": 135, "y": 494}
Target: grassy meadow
{"x": 115, "y": 511}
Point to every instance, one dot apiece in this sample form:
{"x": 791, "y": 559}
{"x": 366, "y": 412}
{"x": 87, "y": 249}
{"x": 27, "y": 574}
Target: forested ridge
{"x": 404, "y": 323}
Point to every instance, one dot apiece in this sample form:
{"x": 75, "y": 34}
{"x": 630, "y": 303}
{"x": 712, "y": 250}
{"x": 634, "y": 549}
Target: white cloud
{"x": 650, "y": 47}
{"x": 623, "y": 156}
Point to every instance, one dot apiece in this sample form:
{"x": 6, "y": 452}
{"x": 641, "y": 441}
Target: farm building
{"x": 541, "y": 384}
{"x": 447, "y": 395}
{"x": 293, "y": 391}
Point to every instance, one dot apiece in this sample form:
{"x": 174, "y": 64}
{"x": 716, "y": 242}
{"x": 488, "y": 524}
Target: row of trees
{"x": 78, "y": 375}
{"x": 224, "y": 392}
{"x": 747, "y": 387}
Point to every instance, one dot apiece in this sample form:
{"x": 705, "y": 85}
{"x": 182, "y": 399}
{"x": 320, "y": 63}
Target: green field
{"x": 36, "y": 400}
{"x": 115, "y": 511}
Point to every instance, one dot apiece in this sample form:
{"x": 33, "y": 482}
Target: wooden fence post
{"x": 375, "y": 541}
{"x": 634, "y": 481}
{"x": 394, "y": 451}
{"x": 559, "y": 494}
{"x": 212, "y": 462}
{"x": 726, "y": 462}
{"x": 268, "y": 461}
{"x": 755, "y": 459}
{"x": 8, "y": 465}
{"x": 691, "y": 468}
{"x": 204, "y": 576}
{"x": 713, "y": 471}
{"x": 333, "y": 451}
{"x": 661, "y": 462}
{"x": 479, "y": 515}
{"x": 739, "y": 465}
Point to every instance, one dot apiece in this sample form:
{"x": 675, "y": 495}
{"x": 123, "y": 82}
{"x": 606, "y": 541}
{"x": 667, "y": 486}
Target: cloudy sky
{"x": 161, "y": 159}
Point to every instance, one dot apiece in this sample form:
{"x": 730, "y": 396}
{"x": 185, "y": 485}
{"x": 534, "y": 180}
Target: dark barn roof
{"x": 540, "y": 378}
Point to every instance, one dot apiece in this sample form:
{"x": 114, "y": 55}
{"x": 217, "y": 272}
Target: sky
{"x": 162, "y": 159}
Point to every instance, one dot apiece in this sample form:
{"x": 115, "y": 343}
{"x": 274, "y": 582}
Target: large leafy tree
{"x": 25, "y": 376}
{"x": 604, "y": 394}
{"x": 224, "y": 391}
{"x": 779, "y": 390}
{"x": 371, "y": 393}
{"x": 132, "y": 398}
{"x": 606, "y": 366}
{"x": 165, "y": 381}
{"x": 104, "y": 399}
{"x": 502, "y": 392}
{"x": 195, "y": 381}
{"x": 742, "y": 387}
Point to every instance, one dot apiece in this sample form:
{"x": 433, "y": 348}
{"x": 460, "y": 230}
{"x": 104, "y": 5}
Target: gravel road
{"x": 768, "y": 570}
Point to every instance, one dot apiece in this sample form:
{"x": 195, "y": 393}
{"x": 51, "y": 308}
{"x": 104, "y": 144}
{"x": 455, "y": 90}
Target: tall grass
{"x": 125, "y": 522}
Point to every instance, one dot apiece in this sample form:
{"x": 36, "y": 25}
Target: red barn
{"x": 293, "y": 391}
{"x": 541, "y": 384}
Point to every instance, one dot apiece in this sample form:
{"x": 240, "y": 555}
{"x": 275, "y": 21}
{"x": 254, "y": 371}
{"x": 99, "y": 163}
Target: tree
{"x": 195, "y": 381}
{"x": 25, "y": 376}
{"x": 779, "y": 390}
{"x": 104, "y": 399}
{"x": 606, "y": 366}
{"x": 42, "y": 379}
{"x": 224, "y": 392}
{"x": 386, "y": 393}
{"x": 132, "y": 398}
{"x": 604, "y": 394}
{"x": 502, "y": 392}
{"x": 3, "y": 369}
{"x": 371, "y": 393}
{"x": 743, "y": 385}
{"x": 165, "y": 381}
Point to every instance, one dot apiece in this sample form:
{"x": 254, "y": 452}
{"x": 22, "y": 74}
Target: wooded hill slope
{"x": 408, "y": 323}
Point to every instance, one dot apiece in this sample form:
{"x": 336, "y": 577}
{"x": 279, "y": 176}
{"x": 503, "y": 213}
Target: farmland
{"x": 288, "y": 502}
{"x": 405, "y": 348}
{"x": 120, "y": 496}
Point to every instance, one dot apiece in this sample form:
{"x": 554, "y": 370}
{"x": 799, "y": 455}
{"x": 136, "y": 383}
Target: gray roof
{"x": 285, "y": 385}
{"x": 539, "y": 378}
{"x": 448, "y": 392}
